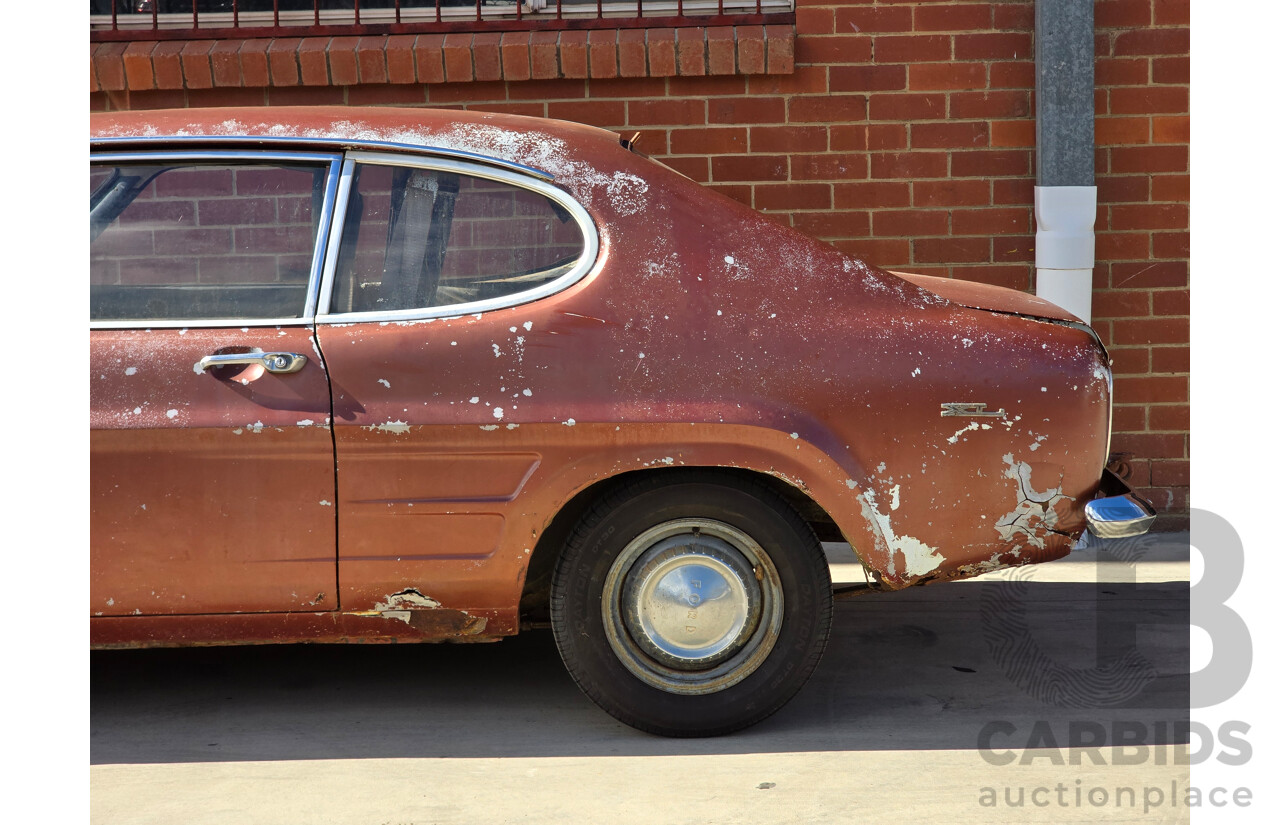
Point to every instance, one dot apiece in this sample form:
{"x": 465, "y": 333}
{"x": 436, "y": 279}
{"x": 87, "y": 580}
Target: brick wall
{"x": 214, "y": 226}
{"x": 901, "y": 132}
{"x": 1141, "y": 296}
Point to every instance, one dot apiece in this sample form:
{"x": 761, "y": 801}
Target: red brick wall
{"x": 902, "y": 132}
{"x": 195, "y": 225}
{"x": 1141, "y": 302}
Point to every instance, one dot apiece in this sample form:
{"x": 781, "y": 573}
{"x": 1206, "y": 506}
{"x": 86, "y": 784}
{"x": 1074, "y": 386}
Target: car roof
{"x": 533, "y": 145}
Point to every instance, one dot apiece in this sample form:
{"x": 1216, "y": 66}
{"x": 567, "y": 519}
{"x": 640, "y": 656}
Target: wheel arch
{"x": 536, "y": 590}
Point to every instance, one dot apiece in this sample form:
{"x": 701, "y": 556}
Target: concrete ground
{"x": 888, "y": 729}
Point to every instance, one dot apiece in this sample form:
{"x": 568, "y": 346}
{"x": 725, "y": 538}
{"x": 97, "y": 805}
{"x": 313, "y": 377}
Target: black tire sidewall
{"x": 580, "y": 629}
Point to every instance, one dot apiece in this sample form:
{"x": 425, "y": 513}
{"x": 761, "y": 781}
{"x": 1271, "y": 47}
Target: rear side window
{"x": 418, "y": 238}
{"x": 172, "y": 241}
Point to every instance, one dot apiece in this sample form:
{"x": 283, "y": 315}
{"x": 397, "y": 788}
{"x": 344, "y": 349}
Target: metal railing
{"x": 115, "y": 20}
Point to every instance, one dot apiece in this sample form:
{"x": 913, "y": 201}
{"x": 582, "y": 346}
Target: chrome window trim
{"x": 338, "y": 145}
{"x": 335, "y": 240}
{"x": 585, "y": 265}
{"x": 317, "y": 252}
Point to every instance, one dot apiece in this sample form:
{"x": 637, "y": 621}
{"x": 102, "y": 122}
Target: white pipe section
{"x": 1064, "y": 246}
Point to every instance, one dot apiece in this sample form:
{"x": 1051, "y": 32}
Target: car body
{"x": 415, "y": 375}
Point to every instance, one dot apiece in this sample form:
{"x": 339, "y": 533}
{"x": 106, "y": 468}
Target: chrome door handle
{"x": 278, "y": 362}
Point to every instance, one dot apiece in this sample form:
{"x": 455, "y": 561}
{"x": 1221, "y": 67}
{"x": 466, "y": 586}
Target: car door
{"x": 212, "y": 474}
{"x": 426, "y": 366}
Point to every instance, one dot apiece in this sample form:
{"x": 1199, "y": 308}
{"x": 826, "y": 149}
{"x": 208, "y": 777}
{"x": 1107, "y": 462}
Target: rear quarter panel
{"x": 709, "y": 335}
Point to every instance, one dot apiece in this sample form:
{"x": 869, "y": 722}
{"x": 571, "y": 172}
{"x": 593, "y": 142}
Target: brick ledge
{"x": 442, "y": 58}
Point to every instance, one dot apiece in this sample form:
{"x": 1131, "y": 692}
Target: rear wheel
{"x": 691, "y": 607}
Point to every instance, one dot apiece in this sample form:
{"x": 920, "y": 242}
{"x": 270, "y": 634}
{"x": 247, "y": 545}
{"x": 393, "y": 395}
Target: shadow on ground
{"x": 923, "y": 669}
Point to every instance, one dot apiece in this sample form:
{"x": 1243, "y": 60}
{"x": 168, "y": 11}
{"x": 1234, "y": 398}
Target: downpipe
{"x": 1066, "y": 199}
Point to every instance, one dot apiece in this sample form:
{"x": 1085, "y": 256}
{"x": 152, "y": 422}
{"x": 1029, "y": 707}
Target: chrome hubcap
{"x": 692, "y": 606}
{"x": 691, "y": 602}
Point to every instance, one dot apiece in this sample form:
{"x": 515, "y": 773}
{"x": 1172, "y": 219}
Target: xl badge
{"x": 951, "y": 409}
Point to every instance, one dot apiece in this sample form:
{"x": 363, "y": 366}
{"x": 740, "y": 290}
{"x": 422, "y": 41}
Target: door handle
{"x": 277, "y": 362}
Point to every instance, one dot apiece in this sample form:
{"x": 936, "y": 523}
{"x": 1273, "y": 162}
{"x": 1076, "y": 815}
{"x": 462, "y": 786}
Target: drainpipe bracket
{"x": 1065, "y": 217}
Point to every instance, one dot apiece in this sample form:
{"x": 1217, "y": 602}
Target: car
{"x": 408, "y": 375}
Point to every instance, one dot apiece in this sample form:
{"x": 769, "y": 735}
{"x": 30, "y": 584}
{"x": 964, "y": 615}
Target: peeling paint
{"x": 985, "y": 566}
{"x": 1036, "y": 512}
{"x": 626, "y": 192}
{"x": 393, "y": 427}
{"x": 425, "y": 615}
{"x": 919, "y": 559}
{"x": 397, "y": 605}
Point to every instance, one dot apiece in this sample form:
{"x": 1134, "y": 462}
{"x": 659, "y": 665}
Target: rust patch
{"x": 425, "y": 615}
{"x": 1121, "y": 464}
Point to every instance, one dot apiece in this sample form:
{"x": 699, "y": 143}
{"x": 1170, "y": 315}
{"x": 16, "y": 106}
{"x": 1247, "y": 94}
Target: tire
{"x": 691, "y": 605}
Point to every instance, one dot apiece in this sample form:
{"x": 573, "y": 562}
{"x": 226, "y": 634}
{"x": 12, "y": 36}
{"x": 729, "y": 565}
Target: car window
{"x": 176, "y": 241}
{"x": 416, "y": 238}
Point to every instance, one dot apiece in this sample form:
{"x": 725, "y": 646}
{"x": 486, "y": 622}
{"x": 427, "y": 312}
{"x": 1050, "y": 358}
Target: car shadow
{"x": 924, "y": 669}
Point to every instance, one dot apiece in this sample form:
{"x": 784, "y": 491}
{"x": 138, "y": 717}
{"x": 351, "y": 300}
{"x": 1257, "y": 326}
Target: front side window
{"x": 179, "y": 241}
{"x": 418, "y": 238}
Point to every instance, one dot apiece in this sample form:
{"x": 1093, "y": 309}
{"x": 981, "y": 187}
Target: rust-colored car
{"x": 408, "y": 375}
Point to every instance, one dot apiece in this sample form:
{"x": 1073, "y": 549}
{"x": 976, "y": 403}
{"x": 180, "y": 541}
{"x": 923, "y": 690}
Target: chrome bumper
{"x": 1120, "y": 513}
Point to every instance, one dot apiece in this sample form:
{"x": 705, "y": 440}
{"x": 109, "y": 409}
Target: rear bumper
{"x": 1120, "y": 513}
